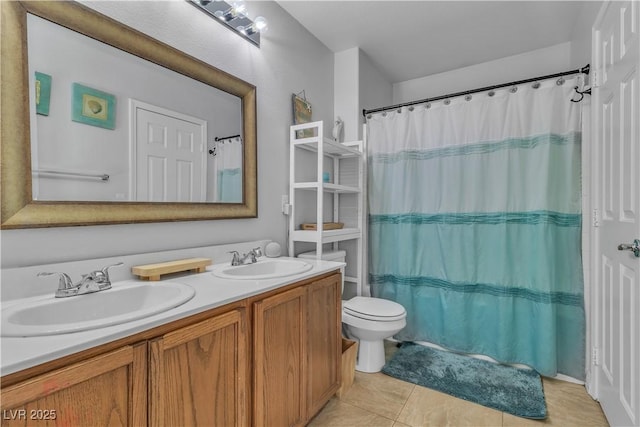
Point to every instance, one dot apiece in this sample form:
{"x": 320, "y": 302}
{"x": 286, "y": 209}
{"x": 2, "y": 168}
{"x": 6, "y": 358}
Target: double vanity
{"x": 256, "y": 344}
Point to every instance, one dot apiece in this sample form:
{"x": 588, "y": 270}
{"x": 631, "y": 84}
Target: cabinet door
{"x": 324, "y": 351}
{"x": 198, "y": 374}
{"x": 279, "y": 359}
{"x": 109, "y": 389}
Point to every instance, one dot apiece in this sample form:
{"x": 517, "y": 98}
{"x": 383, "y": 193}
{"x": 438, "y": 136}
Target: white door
{"x": 617, "y": 148}
{"x": 170, "y": 156}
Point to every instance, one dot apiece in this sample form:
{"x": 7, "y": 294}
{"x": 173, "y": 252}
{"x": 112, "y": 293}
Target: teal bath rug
{"x": 505, "y": 388}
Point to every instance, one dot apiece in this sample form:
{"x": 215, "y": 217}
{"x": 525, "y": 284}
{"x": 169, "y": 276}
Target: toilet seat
{"x": 376, "y": 309}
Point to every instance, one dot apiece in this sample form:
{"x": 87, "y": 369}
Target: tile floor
{"x": 377, "y": 400}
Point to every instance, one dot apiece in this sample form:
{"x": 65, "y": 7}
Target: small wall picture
{"x": 302, "y": 114}
{"x": 43, "y": 93}
{"x": 93, "y": 107}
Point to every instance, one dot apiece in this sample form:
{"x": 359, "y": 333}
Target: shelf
{"x": 339, "y": 201}
{"x": 327, "y": 187}
{"x": 328, "y": 236}
{"x": 330, "y": 147}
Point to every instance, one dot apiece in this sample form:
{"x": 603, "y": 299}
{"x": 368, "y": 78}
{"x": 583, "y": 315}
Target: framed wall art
{"x": 93, "y": 107}
{"x": 302, "y": 114}
{"x": 43, "y": 93}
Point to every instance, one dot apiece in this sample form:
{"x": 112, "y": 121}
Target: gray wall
{"x": 581, "y": 34}
{"x": 522, "y": 66}
{"x": 375, "y": 90}
{"x": 569, "y": 55}
{"x": 290, "y": 60}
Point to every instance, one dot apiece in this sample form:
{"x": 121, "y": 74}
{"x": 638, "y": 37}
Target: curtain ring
{"x": 513, "y": 89}
{"x": 368, "y": 116}
{"x": 384, "y": 114}
{"x": 399, "y": 110}
{"x": 560, "y": 81}
{"x": 491, "y": 92}
{"x": 536, "y": 85}
{"x": 428, "y": 105}
{"x": 447, "y": 101}
{"x": 468, "y": 98}
{"x": 410, "y": 108}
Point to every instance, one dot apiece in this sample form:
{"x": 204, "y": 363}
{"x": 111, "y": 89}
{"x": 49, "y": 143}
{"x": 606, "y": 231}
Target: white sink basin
{"x": 124, "y": 302}
{"x": 263, "y": 269}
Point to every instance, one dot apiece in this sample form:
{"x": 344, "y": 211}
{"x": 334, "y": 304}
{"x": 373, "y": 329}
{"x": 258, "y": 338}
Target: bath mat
{"x": 505, "y": 388}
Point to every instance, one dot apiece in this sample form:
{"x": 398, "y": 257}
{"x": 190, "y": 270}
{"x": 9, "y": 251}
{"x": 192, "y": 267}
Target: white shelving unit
{"x": 345, "y": 163}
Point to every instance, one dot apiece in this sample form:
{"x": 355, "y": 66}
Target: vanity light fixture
{"x": 234, "y": 16}
{"x": 259, "y": 25}
{"x": 236, "y": 11}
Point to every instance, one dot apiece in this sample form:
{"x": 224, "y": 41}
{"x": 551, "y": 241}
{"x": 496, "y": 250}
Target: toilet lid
{"x": 374, "y": 309}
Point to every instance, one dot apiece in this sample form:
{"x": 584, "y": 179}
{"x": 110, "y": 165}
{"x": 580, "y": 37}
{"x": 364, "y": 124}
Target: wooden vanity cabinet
{"x": 198, "y": 374}
{"x": 110, "y": 389}
{"x": 197, "y": 371}
{"x": 193, "y": 375}
{"x": 297, "y": 352}
{"x": 279, "y": 361}
{"x": 324, "y": 342}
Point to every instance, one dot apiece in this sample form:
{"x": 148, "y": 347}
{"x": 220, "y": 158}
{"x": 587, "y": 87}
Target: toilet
{"x": 370, "y": 321}
{"x": 367, "y": 320}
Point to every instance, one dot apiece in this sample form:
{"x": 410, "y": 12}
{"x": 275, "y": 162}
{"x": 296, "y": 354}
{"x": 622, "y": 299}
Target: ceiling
{"x": 410, "y": 39}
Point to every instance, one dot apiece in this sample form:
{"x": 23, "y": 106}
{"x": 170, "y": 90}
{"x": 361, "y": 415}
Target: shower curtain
{"x": 228, "y": 166}
{"x": 475, "y": 223}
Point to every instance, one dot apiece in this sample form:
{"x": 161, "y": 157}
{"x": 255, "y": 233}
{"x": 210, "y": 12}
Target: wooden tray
{"x": 326, "y": 226}
{"x": 154, "y": 271}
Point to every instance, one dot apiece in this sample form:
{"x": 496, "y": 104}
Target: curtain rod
{"x": 217, "y": 138}
{"x": 583, "y": 70}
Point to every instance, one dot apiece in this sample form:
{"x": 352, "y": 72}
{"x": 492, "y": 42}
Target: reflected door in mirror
{"x": 170, "y": 160}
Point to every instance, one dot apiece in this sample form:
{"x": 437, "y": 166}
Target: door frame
{"x": 134, "y": 105}
{"x": 589, "y": 236}
{"x": 590, "y": 245}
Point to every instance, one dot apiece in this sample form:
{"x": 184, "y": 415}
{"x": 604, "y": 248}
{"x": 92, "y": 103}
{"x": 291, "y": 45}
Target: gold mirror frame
{"x": 18, "y": 209}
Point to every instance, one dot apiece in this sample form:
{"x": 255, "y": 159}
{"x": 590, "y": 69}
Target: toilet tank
{"x": 337, "y": 256}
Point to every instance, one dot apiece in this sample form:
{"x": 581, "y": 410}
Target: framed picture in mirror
{"x": 93, "y": 107}
{"x": 43, "y": 93}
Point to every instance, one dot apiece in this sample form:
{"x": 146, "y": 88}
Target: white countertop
{"x": 18, "y": 353}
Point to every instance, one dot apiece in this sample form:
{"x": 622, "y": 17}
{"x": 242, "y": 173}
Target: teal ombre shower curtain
{"x": 228, "y": 164}
{"x": 475, "y": 224}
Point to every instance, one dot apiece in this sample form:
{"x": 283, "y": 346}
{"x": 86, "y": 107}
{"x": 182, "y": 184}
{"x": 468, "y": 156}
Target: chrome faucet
{"x": 95, "y": 281}
{"x": 248, "y": 258}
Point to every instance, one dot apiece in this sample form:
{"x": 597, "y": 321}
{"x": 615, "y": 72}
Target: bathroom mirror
{"x": 31, "y": 200}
